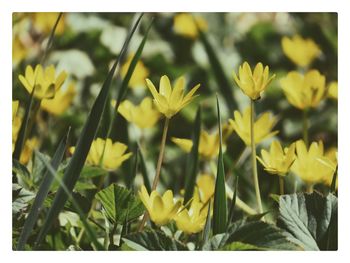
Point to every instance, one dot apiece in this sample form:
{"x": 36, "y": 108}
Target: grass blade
{"x": 42, "y": 193}
{"x": 89, "y": 230}
{"x": 334, "y": 180}
{"x": 207, "y": 227}
{"x": 220, "y": 76}
{"x": 144, "y": 172}
{"x": 77, "y": 161}
{"x": 130, "y": 179}
{"x": 192, "y": 161}
{"x": 220, "y": 207}
{"x": 233, "y": 203}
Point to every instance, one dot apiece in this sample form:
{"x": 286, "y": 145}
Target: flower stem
{"x": 305, "y": 128}
{"x": 254, "y": 165}
{"x": 159, "y": 166}
{"x": 309, "y": 188}
{"x": 281, "y": 181}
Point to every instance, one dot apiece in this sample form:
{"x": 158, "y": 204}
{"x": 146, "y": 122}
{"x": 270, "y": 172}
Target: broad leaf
{"x": 310, "y": 219}
{"x": 120, "y": 203}
{"x": 152, "y": 240}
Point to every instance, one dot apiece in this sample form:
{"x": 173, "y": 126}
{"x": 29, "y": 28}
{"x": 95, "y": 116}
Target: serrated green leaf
{"x": 240, "y": 246}
{"x": 310, "y": 219}
{"x": 152, "y": 240}
{"x": 119, "y": 203}
{"x": 220, "y": 206}
{"x": 192, "y": 161}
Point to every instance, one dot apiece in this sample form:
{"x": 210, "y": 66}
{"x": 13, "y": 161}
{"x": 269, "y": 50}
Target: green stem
{"x": 309, "y": 188}
{"x": 159, "y": 166}
{"x": 281, "y": 181}
{"x": 254, "y": 164}
{"x": 305, "y": 128}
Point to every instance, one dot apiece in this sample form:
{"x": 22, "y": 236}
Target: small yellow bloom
{"x": 61, "y": 102}
{"x": 192, "y": 220}
{"x": 333, "y": 90}
{"x": 44, "y": 80}
{"x": 331, "y": 160}
{"x": 28, "y": 149}
{"x": 299, "y": 50}
{"x": 206, "y": 187}
{"x": 138, "y": 76}
{"x": 161, "y": 209}
{"x": 170, "y": 101}
{"x": 208, "y": 144}
{"x": 304, "y": 91}
{"x": 278, "y": 161}
{"x": 44, "y": 22}
{"x": 253, "y": 83}
{"x": 185, "y": 26}
{"x": 143, "y": 116}
{"x": 113, "y": 155}
{"x": 307, "y": 164}
{"x": 262, "y": 126}
{"x": 16, "y": 123}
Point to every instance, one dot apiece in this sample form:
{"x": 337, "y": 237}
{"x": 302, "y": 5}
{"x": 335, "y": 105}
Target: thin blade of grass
{"x": 219, "y": 74}
{"x": 233, "y": 203}
{"x": 144, "y": 171}
{"x": 42, "y": 194}
{"x": 334, "y": 180}
{"x": 89, "y": 230}
{"x": 220, "y": 207}
{"x": 207, "y": 227}
{"x": 192, "y": 161}
{"x": 135, "y": 164}
{"x": 77, "y": 161}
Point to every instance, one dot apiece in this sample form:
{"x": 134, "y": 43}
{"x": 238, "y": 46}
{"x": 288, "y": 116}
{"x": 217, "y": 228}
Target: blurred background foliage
{"x": 85, "y": 44}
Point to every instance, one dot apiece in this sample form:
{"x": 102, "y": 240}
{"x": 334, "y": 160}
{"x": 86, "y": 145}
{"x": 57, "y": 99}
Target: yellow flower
{"x": 330, "y": 160}
{"x": 44, "y": 80}
{"x": 143, "y": 116}
{"x": 192, "y": 220}
{"x": 161, "y": 209}
{"x": 138, "y": 76}
{"x": 113, "y": 155}
{"x": 208, "y": 144}
{"x": 253, "y": 83}
{"x": 185, "y": 26}
{"x": 44, "y": 22}
{"x": 28, "y": 149}
{"x": 16, "y": 123}
{"x": 278, "y": 161}
{"x": 170, "y": 101}
{"x": 333, "y": 90}
{"x": 262, "y": 126}
{"x": 60, "y": 103}
{"x": 206, "y": 187}
{"x": 304, "y": 91}
{"x": 307, "y": 165}
{"x": 301, "y": 51}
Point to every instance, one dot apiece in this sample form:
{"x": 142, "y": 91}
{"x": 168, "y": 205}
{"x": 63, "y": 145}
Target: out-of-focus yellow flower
{"x": 161, "y": 209}
{"x": 307, "y": 164}
{"x": 253, "y": 83}
{"x": 192, "y": 220}
{"x": 206, "y": 187}
{"x": 19, "y": 51}
{"x": 333, "y": 90}
{"x": 138, "y": 76}
{"x": 113, "y": 155}
{"x": 331, "y": 160}
{"x": 143, "y": 116}
{"x": 170, "y": 101}
{"x": 60, "y": 103}
{"x": 304, "y": 91}
{"x": 277, "y": 161}
{"x": 44, "y": 22}
{"x": 28, "y": 149}
{"x": 262, "y": 126}
{"x": 185, "y": 25}
{"x": 299, "y": 50}
{"x": 16, "y": 122}
{"x": 44, "y": 80}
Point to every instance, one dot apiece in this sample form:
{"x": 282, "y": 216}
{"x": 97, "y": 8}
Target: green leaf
{"x": 42, "y": 194}
{"x": 77, "y": 161}
{"x": 207, "y": 227}
{"x": 240, "y": 246}
{"x": 220, "y": 207}
{"x": 89, "y": 172}
{"x": 192, "y": 161}
{"x": 20, "y": 169}
{"x": 223, "y": 83}
{"x": 233, "y": 203}
{"x": 152, "y": 240}
{"x": 119, "y": 203}
{"x": 310, "y": 219}
{"x": 257, "y": 234}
